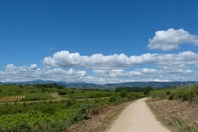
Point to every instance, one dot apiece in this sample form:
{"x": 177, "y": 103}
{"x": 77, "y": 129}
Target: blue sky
{"x": 99, "y": 41}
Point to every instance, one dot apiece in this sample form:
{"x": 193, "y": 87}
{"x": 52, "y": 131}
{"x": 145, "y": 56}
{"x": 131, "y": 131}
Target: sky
{"x": 98, "y": 41}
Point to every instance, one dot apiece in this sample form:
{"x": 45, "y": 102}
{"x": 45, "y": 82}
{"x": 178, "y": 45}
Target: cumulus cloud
{"x": 33, "y": 66}
{"x": 99, "y": 68}
{"x": 99, "y": 61}
{"x": 115, "y": 68}
{"x": 171, "y": 39}
{"x": 120, "y": 73}
{"x": 32, "y": 72}
{"x": 67, "y": 59}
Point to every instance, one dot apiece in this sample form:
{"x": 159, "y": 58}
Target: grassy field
{"x": 176, "y": 107}
{"x": 52, "y": 107}
{"x": 27, "y": 92}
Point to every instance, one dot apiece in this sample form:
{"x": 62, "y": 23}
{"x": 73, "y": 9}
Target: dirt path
{"x": 137, "y": 117}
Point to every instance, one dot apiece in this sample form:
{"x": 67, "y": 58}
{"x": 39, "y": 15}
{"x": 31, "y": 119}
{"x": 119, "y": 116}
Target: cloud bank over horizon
{"x": 115, "y": 68}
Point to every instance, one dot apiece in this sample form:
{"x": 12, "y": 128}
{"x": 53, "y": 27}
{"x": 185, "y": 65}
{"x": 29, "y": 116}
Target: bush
{"x": 171, "y": 97}
{"x": 69, "y": 103}
{"x": 147, "y": 90}
{"x": 48, "y": 110}
{"x": 62, "y": 92}
{"x": 113, "y": 98}
{"x": 123, "y": 93}
{"x": 168, "y": 92}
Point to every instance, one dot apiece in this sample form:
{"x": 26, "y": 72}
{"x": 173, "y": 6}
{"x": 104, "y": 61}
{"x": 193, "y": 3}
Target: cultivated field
{"x": 56, "y": 96}
{"x": 50, "y": 107}
{"x": 11, "y": 98}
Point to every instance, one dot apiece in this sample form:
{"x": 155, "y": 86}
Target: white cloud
{"x": 120, "y": 73}
{"x": 112, "y": 68}
{"x": 98, "y": 68}
{"x": 99, "y": 61}
{"x": 114, "y": 75}
{"x": 67, "y": 59}
{"x": 24, "y": 73}
{"x": 33, "y": 66}
{"x": 171, "y": 39}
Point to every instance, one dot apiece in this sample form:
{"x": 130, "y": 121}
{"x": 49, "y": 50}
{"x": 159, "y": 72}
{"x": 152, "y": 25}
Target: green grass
{"x": 30, "y": 92}
{"x": 81, "y": 94}
{"x": 11, "y": 90}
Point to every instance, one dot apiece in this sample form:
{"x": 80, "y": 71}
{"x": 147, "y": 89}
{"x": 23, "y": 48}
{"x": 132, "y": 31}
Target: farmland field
{"x": 56, "y": 96}
{"x": 62, "y": 108}
{"x": 12, "y": 98}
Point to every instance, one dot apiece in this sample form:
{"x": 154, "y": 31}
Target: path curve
{"x": 137, "y": 117}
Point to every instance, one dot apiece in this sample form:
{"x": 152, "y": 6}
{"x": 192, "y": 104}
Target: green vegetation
{"x": 31, "y": 92}
{"x": 58, "y": 107}
{"x": 146, "y": 90}
{"x": 130, "y": 89}
{"x": 82, "y": 94}
{"x": 187, "y": 93}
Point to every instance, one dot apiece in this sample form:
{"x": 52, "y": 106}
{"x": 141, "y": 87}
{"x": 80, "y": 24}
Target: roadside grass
{"x": 177, "y": 115}
{"x": 176, "y": 107}
{"x": 100, "y": 122}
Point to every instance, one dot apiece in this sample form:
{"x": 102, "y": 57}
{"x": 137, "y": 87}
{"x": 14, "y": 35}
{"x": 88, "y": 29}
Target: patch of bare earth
{"x": 100, "y": 121}
{"x": 179, "y": 116}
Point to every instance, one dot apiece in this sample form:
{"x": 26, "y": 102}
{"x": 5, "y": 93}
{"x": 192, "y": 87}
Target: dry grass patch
{"x": 179, "y": 116}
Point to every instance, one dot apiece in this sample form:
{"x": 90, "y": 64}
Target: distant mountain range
{"x": 110, "y": 85}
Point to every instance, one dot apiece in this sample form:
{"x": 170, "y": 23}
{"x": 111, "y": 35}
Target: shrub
{"x": 171, "y": 97}
{"x": 113, "y": 98}
{"x": 123, "y": 93}
{"x": 48, "y": 110}
{"x": 62, "y": 92}
{"x": 168, "y": 92}
{"x": 147, "y": 90}
{"x": 69, "y": 103}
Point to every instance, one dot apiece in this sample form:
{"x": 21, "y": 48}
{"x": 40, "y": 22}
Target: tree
{"x": 147, "y": 90}
{"x": 123, "y": 93}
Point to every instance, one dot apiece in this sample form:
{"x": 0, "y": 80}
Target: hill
{"x": 152, "y": 84}
{"x": 82, "y": 85}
